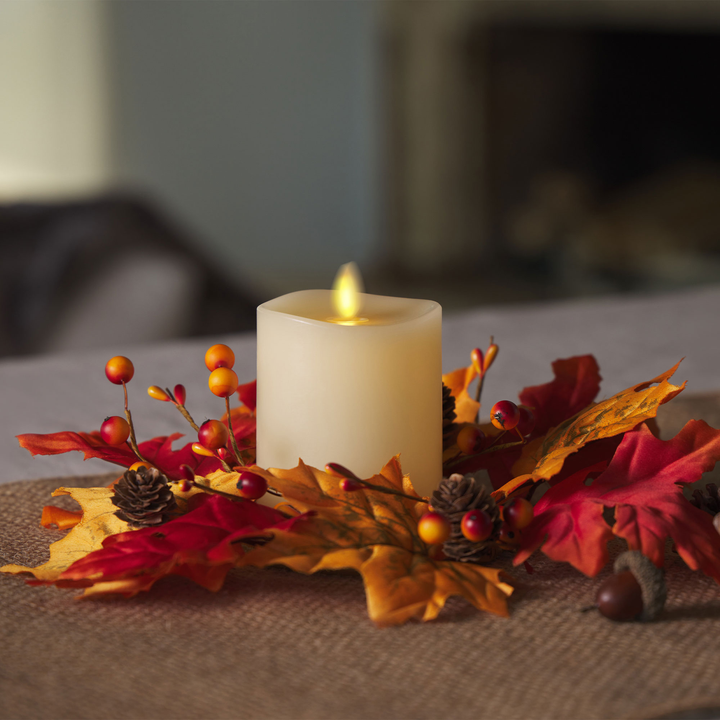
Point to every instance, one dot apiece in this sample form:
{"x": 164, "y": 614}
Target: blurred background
{"x": 166, "y": 166}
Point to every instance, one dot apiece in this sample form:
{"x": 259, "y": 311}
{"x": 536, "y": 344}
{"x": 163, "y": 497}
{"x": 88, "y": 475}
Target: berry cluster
{"x": 477, "y": 525}
{"x": 215, "y": 438}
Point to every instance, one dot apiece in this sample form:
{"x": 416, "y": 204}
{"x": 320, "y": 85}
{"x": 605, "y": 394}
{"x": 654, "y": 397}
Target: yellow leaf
{"x": 543, "y": 458}
{"x": 376, "y": 534}
{"x": 98, "y": 521}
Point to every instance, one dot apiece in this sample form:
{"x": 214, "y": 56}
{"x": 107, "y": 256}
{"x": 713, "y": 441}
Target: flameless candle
{"x": 354, "y": 389}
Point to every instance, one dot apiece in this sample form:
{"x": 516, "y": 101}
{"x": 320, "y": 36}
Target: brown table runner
{"x": 275, "y": 644}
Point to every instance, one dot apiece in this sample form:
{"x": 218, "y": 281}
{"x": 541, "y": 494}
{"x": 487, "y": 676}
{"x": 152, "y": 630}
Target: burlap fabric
{"x": 275, "y": 644}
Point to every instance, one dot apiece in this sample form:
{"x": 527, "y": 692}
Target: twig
{"x": 233, "y": 441}
{"x": 133, "y": 441}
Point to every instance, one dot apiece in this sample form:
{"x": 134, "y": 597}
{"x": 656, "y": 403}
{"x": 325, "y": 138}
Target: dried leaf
{"x": 458, "y": 381}
{"x": 575, "y": 384}
{"x": 643, "y": 484}
{"x": 544, "y": 457}
{"x": 203, "y": 545}
{"x": 98, "y": 521}
{"x": 62, "y": 519}
{"x": 375, "y": 534}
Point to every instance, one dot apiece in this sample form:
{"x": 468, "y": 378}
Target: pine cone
{"x": 454, "y": 497}
{"x": 709, "y": 501}
{"x": 449, "y": 425}
{"x": 143, "y": 497}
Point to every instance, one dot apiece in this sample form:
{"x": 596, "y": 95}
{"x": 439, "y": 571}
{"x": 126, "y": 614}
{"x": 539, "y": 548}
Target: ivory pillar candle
{"x": 356, "y": 392}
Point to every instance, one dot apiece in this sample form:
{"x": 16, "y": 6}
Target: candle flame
{"x": 346, "y": 291}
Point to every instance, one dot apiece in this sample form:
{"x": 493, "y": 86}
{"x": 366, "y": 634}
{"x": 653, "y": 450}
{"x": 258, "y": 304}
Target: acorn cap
{"x": 650, "y": 578}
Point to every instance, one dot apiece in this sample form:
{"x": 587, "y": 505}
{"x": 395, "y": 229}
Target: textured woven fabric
{"x": 274, "y": 644}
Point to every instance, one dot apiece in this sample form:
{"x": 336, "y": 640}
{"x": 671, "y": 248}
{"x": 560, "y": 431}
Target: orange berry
{"x": 213, "y": 434}
{"x": 517, "y": 513}
{"x": 157, "y": 393}
{"x": 477, "y": 360}
{"x": 434, "y": 528}
{"x": 223, "y": 382}
{"x": 490, "y": 355}
{"x": 470, "y": 440}
{"x": 119, "y": 370}
{"x": 198, "y": 449}
{"x": 219, "y": 356}
{"x": 115, "y": 430}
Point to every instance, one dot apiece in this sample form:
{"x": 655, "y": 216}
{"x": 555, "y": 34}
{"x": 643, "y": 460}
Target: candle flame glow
{"x": 346, "y": 291}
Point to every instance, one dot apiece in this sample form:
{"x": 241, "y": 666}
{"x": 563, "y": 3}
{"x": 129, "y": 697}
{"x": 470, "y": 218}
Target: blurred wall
{"x": 255, "y": 124}
{"x": 55, "y": 122}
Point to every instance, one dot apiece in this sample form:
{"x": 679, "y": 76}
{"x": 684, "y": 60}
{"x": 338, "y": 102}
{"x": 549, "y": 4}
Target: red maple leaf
{"x": 643, "y": 483}
{"x": 574, "y": 387}
{"x": 157, "y": 451}
{"x": 203, "y": 545}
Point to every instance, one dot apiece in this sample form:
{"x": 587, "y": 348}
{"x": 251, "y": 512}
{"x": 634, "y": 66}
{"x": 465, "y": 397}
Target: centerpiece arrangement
{"x": 565, "y": 475}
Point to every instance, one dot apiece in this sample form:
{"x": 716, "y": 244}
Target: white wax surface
{"x": 352, "y": 394}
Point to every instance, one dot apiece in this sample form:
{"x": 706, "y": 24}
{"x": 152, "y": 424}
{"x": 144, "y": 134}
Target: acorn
{"x": 635, "y": 592}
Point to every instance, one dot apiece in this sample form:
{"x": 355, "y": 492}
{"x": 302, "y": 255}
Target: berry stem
{"x": 183, "y": 410}
{"x": 377, "y": 488}
{"x": 491, "y": 449}
{"x": 479, "y": 389}
{"x": 133, "y": 440}
{"x": 233, "y": 441}
{"x": 213, "y": 491}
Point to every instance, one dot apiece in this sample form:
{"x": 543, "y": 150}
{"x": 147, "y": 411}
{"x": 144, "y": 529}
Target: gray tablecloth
{"x": 634, "y": 339}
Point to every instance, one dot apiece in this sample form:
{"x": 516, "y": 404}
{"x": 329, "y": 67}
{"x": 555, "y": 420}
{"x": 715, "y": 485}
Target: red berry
{"x": 185, "y": 486}
{"x": 187, "y": 472}
{"x": 434, "y": 528}
{"x": 223, "y": 382}
{"x": 119, "y": 370}
{"x": 213, "y": 434}
{"x": 476, "y": 525}
{"x": 505, "y": 415}
{"x": 470, "y": 440}
{"x": 518, "y": 513}
{"x": 158, "y": 393}
{"x": 115, "y": 430}
{"x": 350, "y": 485}
{"x": 252, "y": 486}
{"x": 339, "y": 471}
{"x": 527, "y": 421}
{"x": 508, "y": 536}
{"x": 179, "y": 393}
{"x": 620, "y": 597}
{"x": 223, "y": 453}
{"x": 219, "y": 356}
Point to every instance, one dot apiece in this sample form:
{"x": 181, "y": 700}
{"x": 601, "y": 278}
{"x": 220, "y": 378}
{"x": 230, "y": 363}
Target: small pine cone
{"x": 449, "y": 416}
{"x": 456, "y": 496}
{"x": 709, "y": 501}
{"x": 143, "y": 497}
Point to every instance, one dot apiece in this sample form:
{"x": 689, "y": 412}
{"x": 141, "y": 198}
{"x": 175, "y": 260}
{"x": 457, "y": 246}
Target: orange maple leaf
{"x": 543, "y": 458}
{"x": 375, "y": 534}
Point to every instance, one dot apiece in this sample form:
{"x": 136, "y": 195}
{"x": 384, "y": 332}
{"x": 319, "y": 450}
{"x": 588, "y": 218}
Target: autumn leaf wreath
{"x": 602, "y": 469}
